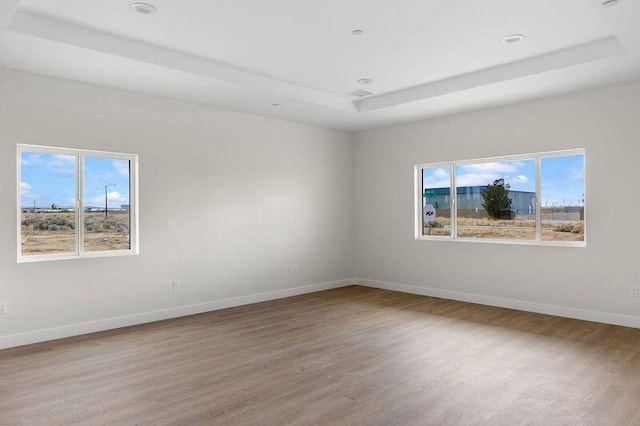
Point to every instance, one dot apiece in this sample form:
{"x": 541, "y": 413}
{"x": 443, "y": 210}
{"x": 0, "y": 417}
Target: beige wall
{"x": 227, "y": 202}
{"x": 596, "y": 278}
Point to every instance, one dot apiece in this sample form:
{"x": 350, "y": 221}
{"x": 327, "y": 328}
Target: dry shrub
{"x": 113, "y": 223}
{"x": 47, "y": 223}
{"x": 65, "y": 222}
{"x": 575, "y": 227}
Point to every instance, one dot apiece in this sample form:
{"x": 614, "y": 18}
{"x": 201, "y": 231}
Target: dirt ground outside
{"x": 54, "y": 233}
{"x": 508, "y": 229}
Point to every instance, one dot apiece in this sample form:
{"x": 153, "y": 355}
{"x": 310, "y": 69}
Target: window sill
{"x": 499, "y": 241}
{"x": 71, "y": 256}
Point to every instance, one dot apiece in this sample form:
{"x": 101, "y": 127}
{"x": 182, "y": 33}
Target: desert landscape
{"x": 50, "y": 233}
{"x": 511, "y": 229}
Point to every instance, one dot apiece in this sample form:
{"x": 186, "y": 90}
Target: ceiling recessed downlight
{"x": 610, "y": 3}
{"x": 512, "y": 38}
{"x": 357, "y": 32}
{"x": 365, "y": 80}
{"x": 144, "y": 8}
{"x": 275, "y": 105}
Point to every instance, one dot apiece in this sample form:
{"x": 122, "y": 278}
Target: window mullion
{"x": 133, "y": 205}
{"x": 453, "y": 208}
{"x": 79, "y": 204}
{"x": 422, "y": 202}
{"x": 538, "y": 200}
{"x": 418, "y": 182}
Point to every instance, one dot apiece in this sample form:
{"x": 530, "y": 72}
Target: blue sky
{"x": 562, "y": 180}
{"x": 51, "y": 179}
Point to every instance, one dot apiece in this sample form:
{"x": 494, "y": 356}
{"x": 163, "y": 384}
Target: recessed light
{"x": 513, "y": 38}
{"x": 144, "y": 8}
{"x": 357, "y": 32}
{"x": 365, "y": 80}
{"x": 275, "y": 105}
{"x": 610, "y": 3}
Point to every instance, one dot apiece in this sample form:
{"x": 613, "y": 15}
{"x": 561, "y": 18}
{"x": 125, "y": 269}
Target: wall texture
{"x": 227, "y": 202}
{"x": 591, "y": 282}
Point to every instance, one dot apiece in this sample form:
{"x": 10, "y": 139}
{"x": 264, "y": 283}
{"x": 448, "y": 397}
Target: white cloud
{"x": 486, "y": 173}
{"x": 30, "y": 158}
{"x": 478, "y": 174}
{"x": 477, "y": 179}
{"x": 114, "y": 198}
{"x": 26, "y": 192}
{"x": 438, "y": 179}
{"x": 121, "y": 167}
{"x": 469, "y": 179}
{"x": 436, "y": 183}
{"x": 59, "y": 163}
{"x": 68, "y": 159}
{"x": 441, "y": 173}
{"x": 63, "y": 164}
{"x": 498, "y": 167}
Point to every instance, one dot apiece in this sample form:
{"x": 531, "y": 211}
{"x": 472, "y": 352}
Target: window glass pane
{"x": 48, "y": 203}
{"x": 106, "y": 204}
{"x": 496, "y": 200}
{"x": 562, "y": 192}
{"x": 436, "y": 201}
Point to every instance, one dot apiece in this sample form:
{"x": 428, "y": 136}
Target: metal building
{"x": 470, "y": 197}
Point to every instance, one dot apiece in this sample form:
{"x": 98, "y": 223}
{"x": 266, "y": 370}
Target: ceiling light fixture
{"x": 275, "y": 105}
{"x": 357, "y": 32}
{"x": 365, "y": 80}
{"x": 512, "y": 38}
{"x": 144, "y": 8}
{"x": 610, "y": 3}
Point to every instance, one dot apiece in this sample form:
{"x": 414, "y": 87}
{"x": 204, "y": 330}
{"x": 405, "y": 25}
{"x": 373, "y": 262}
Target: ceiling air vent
{"x": 360, "y": 93}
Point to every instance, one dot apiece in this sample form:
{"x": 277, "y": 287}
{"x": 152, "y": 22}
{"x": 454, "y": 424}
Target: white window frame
{"x": 452, "y": 165}
{"x": 79, "y": 155}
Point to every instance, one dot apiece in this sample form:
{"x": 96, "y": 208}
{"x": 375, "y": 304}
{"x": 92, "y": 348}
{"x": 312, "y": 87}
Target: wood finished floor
{"x": 348, "y": 356}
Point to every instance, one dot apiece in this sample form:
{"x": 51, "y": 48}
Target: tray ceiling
{"x": 424, "y": 58}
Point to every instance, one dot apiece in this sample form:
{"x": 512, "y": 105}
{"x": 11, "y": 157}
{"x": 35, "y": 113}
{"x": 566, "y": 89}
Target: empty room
{"x": 304, "y": 212}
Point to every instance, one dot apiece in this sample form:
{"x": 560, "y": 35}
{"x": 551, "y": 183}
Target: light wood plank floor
{"x": 348, "y": 356}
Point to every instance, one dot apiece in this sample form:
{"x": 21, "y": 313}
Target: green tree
{"x": 496, "y": 200}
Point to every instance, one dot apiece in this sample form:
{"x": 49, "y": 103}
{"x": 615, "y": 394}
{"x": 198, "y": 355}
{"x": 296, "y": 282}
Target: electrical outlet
{"x": 634, "y": 290}
{"x": 293, "y": 270}
{"x": 3, "y": 307}
{"x": 175, "y": 285}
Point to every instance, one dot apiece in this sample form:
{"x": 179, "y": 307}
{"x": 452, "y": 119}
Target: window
{"x": 436, "y": 192}
{"x": 536, "y": 198}
{"x": 75, "y": 203}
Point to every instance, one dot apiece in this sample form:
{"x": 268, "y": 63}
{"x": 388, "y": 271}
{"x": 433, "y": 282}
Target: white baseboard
{"x": 36, "y": 336}
{"x": 180, "y": 311}
{"x": 521, "y": 305}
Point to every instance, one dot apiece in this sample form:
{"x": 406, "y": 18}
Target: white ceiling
{"x": 427, "y": 58}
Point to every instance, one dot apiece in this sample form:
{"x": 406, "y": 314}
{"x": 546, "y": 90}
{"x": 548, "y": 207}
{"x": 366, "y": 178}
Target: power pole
{"x": 106, "y": 204}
